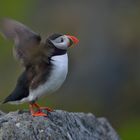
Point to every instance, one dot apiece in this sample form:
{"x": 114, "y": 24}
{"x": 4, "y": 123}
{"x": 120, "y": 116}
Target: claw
{"x": 38, "y": 114}
{"x": 40, "y": 110}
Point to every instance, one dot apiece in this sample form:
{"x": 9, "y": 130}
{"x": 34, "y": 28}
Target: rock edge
{"x": 59, "y": 125}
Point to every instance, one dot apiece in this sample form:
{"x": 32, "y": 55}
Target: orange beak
{"x": 73, "y": 39}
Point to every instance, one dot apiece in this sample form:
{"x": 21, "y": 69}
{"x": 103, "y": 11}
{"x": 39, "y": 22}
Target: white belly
{"x": 56, "y": 79}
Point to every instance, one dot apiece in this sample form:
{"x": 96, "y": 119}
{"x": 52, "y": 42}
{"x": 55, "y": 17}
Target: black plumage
{"x": 21, "y": 90}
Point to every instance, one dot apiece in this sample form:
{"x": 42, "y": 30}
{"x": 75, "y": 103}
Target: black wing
{"x": 22, "y": 87}
{"x": 26, "y": 41}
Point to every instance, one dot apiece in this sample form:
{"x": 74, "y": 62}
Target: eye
{"x": 61, "y": 40}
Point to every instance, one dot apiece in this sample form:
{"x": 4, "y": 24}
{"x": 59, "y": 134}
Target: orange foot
{"x": 39, "y": 112}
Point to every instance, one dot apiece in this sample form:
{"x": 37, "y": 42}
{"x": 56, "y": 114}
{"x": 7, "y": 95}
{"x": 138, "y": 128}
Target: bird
{"x": 45, "y": 63}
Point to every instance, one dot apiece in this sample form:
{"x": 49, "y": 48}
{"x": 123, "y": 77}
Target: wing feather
{"x": 26, "y": 41}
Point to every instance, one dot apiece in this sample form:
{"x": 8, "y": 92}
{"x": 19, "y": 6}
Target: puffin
{"x": 45, "y": 63}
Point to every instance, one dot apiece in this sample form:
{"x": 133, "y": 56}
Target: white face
{"x": 61, "y": 42}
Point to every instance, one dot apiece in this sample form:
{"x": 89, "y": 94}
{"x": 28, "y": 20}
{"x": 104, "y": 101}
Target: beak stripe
{"x": 73, "y": 38}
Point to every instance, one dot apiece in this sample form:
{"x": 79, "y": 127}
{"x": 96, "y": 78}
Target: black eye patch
{"x": 62, "y": 39}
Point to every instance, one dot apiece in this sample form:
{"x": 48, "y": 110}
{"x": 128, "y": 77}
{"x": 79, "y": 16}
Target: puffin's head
{"x": 62, "y": 42}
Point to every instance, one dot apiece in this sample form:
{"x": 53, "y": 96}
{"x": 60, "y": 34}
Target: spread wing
{"x": 26, "y": 41}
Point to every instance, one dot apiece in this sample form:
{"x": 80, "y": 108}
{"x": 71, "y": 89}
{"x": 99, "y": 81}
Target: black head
{"x": 58, "y": 43}
{"x": 62, "y": 42}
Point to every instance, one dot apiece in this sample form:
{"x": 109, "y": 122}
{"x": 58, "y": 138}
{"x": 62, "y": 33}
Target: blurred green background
{"x": 104, "y": 71}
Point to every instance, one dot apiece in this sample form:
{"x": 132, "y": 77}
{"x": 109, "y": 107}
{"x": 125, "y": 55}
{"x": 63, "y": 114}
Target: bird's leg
{"x": 43, "y": 108}
{"x": 38, "y": 112}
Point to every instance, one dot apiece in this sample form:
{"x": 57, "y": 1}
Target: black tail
{"x": 21, "y": 90}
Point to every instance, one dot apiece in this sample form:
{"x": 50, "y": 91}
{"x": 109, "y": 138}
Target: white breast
{"x": 56, "y": 79}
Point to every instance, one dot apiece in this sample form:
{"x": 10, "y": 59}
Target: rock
{"x": 59, "y": 125}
